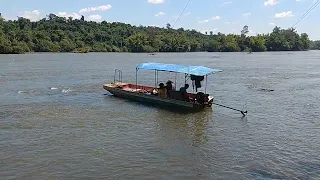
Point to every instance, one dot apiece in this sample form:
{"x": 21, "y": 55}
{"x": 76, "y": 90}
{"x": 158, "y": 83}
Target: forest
{"x": 60, "y": 34}
{"x": 315, "y": 45}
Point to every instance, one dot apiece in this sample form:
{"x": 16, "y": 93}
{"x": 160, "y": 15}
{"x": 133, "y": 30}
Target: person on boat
{"x": 162, "y": 91}
{"x": 183, "y": 91}
{"x": 169, "y": 87}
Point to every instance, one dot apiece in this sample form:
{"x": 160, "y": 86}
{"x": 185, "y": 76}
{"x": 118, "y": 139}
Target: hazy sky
{"x": 226, "y": 16}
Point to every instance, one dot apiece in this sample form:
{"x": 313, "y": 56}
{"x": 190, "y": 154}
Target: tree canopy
{"x": 60, "y": 34}
{"x": 315, "y": 45}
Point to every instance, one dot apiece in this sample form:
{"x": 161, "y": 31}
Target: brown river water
{"x": 57, "y": 121}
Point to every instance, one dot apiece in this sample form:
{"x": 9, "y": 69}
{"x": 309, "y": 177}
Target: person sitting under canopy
{"x": 169, "y": 85}
{"x": 162, "y": 91}
{"x": 183, "y": 91}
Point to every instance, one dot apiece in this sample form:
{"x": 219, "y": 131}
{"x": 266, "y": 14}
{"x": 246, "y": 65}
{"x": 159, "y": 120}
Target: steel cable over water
{"x": 181, "y": 13}
{"x": 306, "y": 13}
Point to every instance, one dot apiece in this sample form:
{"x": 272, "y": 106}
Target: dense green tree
{"x": 66, "y": 45}
{"x": 315, "y": 45}
{"x": 5, "y": 45}
{"x": 305, "y": 41}
{"x": 213, "y": 46}
{"x": 60, "y": 34}
{"x": 194, "y": 46}
{"x": 230, "y": 44}
{"x": 138, "y": 43}
{"x": 257, "y": 44}
{"x": 19, "y": 47}
{"x": 101, "y": 47}
{"x": 168, "y": 25}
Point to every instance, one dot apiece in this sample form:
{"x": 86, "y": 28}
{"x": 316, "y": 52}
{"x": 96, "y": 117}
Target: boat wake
{"x": 39, "y": 91}
{"x": 66, "y": 90}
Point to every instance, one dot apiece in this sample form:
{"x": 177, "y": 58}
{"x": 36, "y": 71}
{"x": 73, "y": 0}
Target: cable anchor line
{"x": 242, "y": 112}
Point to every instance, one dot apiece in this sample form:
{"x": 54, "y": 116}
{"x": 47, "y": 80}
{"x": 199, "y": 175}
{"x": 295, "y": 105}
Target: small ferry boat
{"x": 175, "y": 99}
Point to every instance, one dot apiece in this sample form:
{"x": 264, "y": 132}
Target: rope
{"x": 242, "y": 112}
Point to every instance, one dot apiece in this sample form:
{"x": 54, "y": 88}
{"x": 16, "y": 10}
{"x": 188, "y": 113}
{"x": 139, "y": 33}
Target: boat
{"x": 141, "y": 93}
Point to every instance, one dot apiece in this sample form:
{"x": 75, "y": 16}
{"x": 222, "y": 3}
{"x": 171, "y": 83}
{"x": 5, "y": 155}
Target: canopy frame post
{"x": 193, "y": 86}
{"x": 136, "y": 78}
{"x": 155, "y": 78}
{"x": 205, "y": 89}
{"x": 185, "y": 78}
{"x": 175, "y": 81}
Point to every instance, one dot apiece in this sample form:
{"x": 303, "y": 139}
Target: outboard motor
{"x": 201, "y": 98}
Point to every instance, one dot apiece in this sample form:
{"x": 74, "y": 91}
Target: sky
{"x": 225, "y": 16}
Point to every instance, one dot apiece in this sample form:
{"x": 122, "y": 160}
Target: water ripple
{"x": 63, "y": 125}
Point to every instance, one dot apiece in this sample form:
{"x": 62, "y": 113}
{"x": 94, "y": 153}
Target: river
{"x": 57, "y": 121}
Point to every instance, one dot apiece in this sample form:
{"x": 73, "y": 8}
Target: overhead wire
{"x": 181, "y": 13}
{"x": 306, "y": 13}
{"x": 294, "y": 24}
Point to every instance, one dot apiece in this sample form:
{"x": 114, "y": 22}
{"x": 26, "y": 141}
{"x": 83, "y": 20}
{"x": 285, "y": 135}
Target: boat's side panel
{"x": 152, "y": 99}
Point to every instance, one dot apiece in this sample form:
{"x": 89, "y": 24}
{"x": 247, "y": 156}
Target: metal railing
{"x": 119, "y": 73}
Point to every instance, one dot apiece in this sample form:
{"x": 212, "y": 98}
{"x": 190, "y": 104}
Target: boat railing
{"x": 117, "y": 73}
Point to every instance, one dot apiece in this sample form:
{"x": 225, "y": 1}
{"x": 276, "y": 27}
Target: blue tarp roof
{"x": 193, "y": 70}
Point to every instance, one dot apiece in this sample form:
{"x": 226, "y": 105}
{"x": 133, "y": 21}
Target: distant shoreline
{"x": 153, "y": 54}
{"x": 56, "y": 34}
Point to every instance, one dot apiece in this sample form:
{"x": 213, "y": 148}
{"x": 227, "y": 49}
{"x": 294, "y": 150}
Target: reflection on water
{"x": 64, "y": 125}
{"x": 190, "y": 127}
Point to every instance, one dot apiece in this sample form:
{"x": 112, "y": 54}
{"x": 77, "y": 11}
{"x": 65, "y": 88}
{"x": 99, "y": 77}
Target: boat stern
{"x": 210, "y": 101}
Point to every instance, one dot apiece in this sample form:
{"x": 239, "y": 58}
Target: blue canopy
{"x": 192, "y": 70}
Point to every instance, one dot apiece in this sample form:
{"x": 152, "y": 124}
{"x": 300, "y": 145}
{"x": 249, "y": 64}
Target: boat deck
{"x": 144, "y": 93}
{"x": 147, "y": 90}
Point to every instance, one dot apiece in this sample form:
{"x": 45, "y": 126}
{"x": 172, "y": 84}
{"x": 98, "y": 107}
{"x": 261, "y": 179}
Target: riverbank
{"x": 58, "y": 34}
{"x": 157, "y": 53}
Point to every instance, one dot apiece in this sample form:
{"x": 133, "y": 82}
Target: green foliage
{"x": 115, "y": 49}
{"x": 248, "y": 50}
{"x": 213, "y": 46}
{"x": 46, "y": 46}
{"x": 138, "y": 43}
{"x": 19, "y": 47}
{"x": 194, "y": 46}
{"x": 81, "y": 50}
{"x": 66, "y": 45}
{"x": 5, "y": 45}
{"x": 315, "y": 45}
{"x": 257, "y": 44}
{"x": 305, "y": 41}
{"x": 287, "y": 40}
{"x": 230, "y": 45}
{"x": 101, "y": 47}
{"x": 59, "y": 34}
